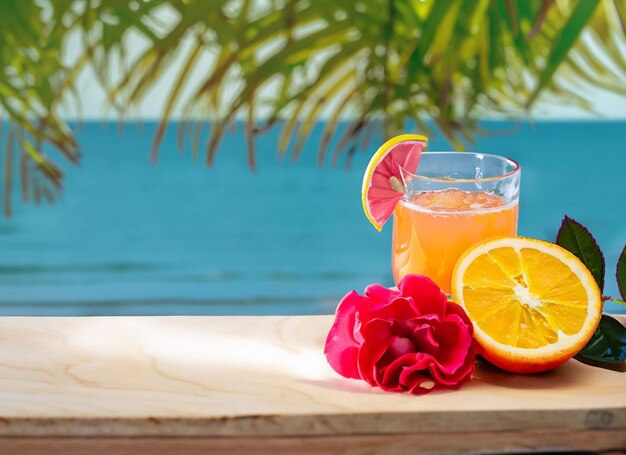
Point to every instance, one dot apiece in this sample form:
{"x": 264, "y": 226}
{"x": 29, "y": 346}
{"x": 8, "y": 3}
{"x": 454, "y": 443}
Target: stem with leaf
{"x": 607, "y": 346}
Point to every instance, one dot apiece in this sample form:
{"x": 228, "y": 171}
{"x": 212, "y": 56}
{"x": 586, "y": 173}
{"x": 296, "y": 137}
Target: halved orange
{"x": 533, "y": 304}
{"x": 382, "y": 182}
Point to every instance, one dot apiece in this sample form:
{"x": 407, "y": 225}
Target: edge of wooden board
{"x": 321, "y": 425}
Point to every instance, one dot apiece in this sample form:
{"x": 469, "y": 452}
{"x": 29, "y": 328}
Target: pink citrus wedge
{"x": 382, "y": 183}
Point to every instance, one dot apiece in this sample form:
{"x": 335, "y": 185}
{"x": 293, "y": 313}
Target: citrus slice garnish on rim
{"x": 382, "y": 182}
{"x": 533, "y": 304}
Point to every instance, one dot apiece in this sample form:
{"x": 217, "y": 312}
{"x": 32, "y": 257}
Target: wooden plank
{"x": 609, "y": 442}
{"x": 229, "y": 377}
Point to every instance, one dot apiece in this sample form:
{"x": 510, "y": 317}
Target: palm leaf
{"x": 563, "y": 42}
{"x": 370, "y": 64}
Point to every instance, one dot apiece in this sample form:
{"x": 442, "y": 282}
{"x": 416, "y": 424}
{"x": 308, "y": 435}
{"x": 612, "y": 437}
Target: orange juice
{"x": 431, "y": 229}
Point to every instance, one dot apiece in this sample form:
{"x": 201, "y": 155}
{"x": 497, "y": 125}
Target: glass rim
{"x": 515, "y": 170}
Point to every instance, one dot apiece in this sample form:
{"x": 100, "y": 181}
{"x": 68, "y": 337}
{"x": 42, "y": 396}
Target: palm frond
{"x": 357, "y": 65}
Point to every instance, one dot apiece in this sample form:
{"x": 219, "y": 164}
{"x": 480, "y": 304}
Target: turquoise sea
{"x": 129, "y": 237}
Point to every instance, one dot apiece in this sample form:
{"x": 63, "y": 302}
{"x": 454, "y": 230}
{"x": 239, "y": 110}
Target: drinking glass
{"x": 455, "y": 200}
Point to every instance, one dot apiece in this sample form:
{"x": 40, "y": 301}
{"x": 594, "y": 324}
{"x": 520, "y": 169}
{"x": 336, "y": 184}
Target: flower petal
{"x": 376, "y": 334}
{"x": 382, "y": 293}
{"x": 341, "y": 348}
{"x": 426, "y": 295}
{"x": 424, "y": 339}
{"x": 399, "y": 346}
{"x": 455, "y": 308}
{"x": 455, "y": 341}
{"x": 388, "y": 377}
{"x": 398, "y": 309}
{"x": 456, "y": 379}
{"x": 416, "y": 378}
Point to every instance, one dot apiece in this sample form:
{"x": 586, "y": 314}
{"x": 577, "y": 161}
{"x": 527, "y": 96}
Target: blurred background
{"x": 206, "y": 157}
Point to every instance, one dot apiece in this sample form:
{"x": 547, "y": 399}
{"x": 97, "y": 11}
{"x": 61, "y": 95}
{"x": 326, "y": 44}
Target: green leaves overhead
{"x": 565, "y": 39}
{"x": 575, "y": 238}
{"x": 380, "y": 62}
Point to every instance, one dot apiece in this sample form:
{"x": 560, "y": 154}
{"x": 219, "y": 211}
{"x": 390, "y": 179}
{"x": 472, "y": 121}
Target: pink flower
{"x": 409, "y": 340}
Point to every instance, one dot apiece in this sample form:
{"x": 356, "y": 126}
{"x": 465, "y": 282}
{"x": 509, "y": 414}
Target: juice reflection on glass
{"x": 456, "y": 200}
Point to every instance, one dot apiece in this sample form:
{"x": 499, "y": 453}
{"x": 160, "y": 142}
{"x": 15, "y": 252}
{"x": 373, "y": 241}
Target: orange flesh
{"x": 493, "y": 305}
{"x": 433, "y": 229}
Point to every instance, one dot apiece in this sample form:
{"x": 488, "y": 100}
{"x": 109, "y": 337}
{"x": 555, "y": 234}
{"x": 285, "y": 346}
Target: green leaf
{"x": 563, "y": 42}
{"x": 575, "y": 238}
{"x": 607, "y": 347}
{"x": 621, "y": 274}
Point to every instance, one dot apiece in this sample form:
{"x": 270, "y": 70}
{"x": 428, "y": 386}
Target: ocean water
{"x": 129, "y": 237}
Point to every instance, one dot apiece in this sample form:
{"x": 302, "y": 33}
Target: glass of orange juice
{"x": 455, "y": 200}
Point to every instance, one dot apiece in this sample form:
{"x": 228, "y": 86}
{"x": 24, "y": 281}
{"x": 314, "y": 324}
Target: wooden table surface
{"x": 262, "y": 384}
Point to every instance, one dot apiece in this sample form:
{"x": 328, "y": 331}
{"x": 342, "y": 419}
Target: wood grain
{"x": 231, "y": 378}
{"x": 609, "y": 442}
